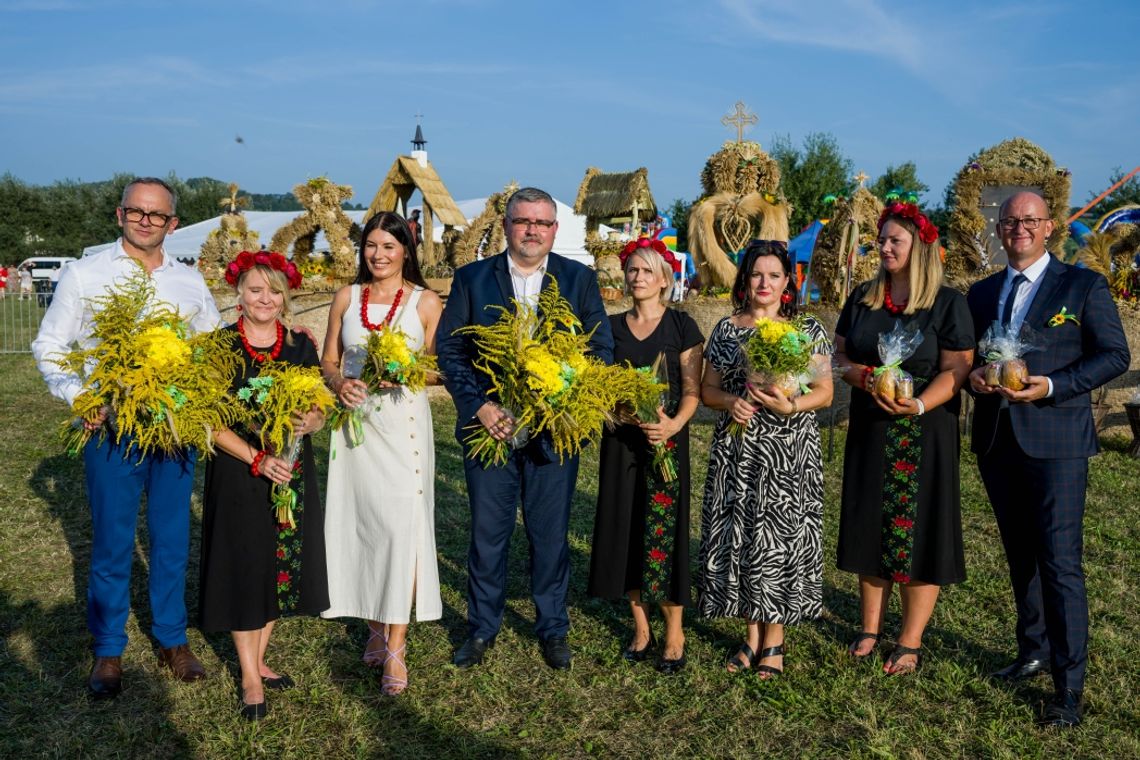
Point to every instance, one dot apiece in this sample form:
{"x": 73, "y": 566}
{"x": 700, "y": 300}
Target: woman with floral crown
{"x": 381, "y": 484}
{"x": 254, "y": 569}
{"x": 641, "y": 533}
{"x": 900, "y": 520}
{"x": 761, "y": 555}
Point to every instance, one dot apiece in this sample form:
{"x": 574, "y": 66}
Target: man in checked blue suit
{"x": 533, "y": 474}
{"x": 1033, "y": 445}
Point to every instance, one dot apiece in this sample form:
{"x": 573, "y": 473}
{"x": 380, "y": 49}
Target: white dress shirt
{"x": 1025, "y": 295}
{"x": 527, "y": 286}
{"x": 68, "y": 319}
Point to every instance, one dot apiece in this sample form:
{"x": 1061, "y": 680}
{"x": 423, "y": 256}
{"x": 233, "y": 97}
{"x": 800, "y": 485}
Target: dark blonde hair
{"x": 924, "y": 267}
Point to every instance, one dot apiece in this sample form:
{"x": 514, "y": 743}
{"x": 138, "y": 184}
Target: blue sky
{"x": 538, "y": 92}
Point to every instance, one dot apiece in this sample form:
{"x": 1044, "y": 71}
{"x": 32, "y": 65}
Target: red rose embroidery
{"x": 282, "y": 577}
{"x": 658, "y": 556}
{"x": 902, "y": 522}
{"x": 900, "y": 577}
{"x": 662, "y": 499}
{"x": 280, "y": 554}
{"x": 659, "y": 531}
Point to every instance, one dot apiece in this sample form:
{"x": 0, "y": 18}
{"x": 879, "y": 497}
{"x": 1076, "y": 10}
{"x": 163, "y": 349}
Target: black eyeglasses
{"x": 543, "y": 223}
{"x": 136, "y": 215}
{"x": 1010, "y": 223}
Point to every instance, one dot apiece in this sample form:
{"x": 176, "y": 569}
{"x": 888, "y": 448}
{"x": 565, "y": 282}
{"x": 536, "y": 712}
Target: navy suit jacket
{"x": 485, "y": 283}
{"x": 1077, "y": 358}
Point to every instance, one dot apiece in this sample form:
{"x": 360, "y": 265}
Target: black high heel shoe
{"x": 640, "y": 655}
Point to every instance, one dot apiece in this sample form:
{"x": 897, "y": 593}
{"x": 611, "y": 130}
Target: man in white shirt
{"x": 116, "y": 481}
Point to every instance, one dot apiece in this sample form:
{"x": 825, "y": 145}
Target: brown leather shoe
{"x": 106, "y": 679}
{"x": 182, "y": 663}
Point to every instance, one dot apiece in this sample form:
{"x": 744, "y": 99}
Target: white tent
{"x": 186, "y": 242}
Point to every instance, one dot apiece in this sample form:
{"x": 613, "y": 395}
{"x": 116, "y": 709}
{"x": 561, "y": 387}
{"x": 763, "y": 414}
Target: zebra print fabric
{"x": 761, "y": 553}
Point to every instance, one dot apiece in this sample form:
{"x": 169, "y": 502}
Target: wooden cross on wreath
{"x": 740, "y": 118}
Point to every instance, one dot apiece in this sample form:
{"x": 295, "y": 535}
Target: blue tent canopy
{"x": 801, "y": 246}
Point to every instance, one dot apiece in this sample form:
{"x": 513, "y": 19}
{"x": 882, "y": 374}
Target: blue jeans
{"x": 115, "y": 484}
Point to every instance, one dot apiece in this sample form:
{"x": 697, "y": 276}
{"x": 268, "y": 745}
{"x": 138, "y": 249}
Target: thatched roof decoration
{"x": 406, "y": 176}
{"x": 605, "y": 196}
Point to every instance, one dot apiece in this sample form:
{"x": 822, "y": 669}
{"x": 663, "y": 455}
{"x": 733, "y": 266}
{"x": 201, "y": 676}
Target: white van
{"x": 45, "y": 268}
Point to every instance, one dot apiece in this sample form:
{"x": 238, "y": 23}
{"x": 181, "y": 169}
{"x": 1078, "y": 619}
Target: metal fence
{"x": 20, "y": 319}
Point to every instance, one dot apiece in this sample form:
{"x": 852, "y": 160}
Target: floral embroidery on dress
{"x": 289, "y": 546}
{"x": 660, "y": 529}
{"x": 900, "y": 496}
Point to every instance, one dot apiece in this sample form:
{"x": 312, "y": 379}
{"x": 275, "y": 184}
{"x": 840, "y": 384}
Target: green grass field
{"x": 825, "y": 706}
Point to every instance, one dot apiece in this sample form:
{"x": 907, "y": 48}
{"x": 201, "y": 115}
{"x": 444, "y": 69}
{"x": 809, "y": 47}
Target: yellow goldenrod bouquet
{"x": 778, "y": 354}
{"x": 278, "y": 393}
{"x": 390, "y": 359}
{"x": 650, "y": 393}
{"x": 537, "y": 361}
{"x": 387, "y": 358}
{"x": 166, "y": 389}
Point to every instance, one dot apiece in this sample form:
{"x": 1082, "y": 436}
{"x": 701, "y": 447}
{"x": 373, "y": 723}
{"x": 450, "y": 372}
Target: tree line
{"x": 65, "y": 217}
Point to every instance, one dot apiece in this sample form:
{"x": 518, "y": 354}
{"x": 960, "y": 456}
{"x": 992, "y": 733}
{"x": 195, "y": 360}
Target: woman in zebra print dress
{"x": 761, "y": 555}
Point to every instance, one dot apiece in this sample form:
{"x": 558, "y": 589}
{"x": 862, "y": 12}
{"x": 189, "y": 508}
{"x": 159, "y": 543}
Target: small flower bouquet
{"x": 537, "y": 361}
{"x": 386, "y": 358}
{"x": 778, "y": 354}
{"x": 167, "y": 390}
{"x": 895, "y": 347}
{"x": 650, "y": 394}
{"x": 275, "y": 396}
{"x": 1004, "y": 348}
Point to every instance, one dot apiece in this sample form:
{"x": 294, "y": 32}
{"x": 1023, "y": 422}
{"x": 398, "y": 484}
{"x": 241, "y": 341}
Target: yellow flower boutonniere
{"x": 1062, "y": 317}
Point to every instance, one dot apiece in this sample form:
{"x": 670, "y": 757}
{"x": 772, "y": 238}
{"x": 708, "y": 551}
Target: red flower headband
{"x": 656, "y": 245}
{"x": 247, "y": 260}
{"x": 927, "y": 232}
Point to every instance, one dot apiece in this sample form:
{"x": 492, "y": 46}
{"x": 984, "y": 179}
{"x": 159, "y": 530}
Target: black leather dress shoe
{"x": 471, "y": 653}
{"x": 1020, "y": 670}
{"x": 556, "y": 652}
{"x": 106, "y": 679}
{"x": 1064, "y": 711}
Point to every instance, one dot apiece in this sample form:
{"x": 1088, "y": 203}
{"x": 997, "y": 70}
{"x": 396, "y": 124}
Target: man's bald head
{"x": 1024, "y": 224}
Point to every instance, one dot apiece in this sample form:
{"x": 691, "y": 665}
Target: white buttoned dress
{"x": 380, "y": 502}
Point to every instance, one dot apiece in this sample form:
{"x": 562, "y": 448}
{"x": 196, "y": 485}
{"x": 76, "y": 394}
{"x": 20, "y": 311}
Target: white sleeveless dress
{"x": 380, "y": 503}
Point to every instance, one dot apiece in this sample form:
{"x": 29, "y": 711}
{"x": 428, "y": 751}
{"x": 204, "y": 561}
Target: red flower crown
{"x": 247, "y": 260}
{"x": 656, "y": 245}
{"x": 927, "y": 232}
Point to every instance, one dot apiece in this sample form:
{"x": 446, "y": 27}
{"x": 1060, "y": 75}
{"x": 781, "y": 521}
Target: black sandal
{"x": 899, "y": 652}
{"x": 767, "y": 672}
{"x": 863, "y": 636}
{"x": 740, "y": 665}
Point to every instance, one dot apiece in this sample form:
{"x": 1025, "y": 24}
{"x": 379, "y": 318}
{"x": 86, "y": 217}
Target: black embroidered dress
{"x": 900, "y": 517}
{"x": 253, "y": 570}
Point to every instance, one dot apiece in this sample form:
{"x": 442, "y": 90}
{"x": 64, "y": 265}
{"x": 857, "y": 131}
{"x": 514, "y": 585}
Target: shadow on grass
{"x": 43, "y": 679}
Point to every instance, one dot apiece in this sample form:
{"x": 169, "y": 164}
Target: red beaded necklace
{"x": 257, "y": 355}
{"x": 889, "y": 304}
{"x": 374, "y": 326}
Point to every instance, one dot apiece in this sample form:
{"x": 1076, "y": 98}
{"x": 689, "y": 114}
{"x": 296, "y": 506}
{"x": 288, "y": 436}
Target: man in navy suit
{"x": 533, "y": 474}
{"x": 1033, "y": 445}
